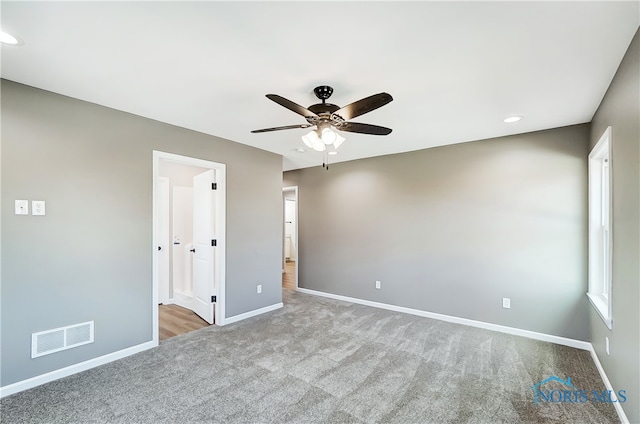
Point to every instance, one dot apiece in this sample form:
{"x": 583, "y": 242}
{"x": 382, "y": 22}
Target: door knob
{"x": 159, "y": 247}
{"x": 192, "y": 250}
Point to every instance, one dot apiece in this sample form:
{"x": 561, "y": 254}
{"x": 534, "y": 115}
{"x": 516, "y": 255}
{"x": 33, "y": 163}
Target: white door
{"x": 162, "y": 238}
{"x": 203, "y": 234}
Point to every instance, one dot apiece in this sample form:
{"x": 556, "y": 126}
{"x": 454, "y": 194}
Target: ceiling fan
{"x": 328, "y": 117}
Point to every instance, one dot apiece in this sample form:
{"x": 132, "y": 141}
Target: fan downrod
{"x": 323, "y": 92}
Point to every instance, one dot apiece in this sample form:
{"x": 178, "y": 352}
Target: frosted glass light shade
{"x": 310, "y": 139}
{"x": 319, "y": 145}
{"x": 328, "y": 136}
{"x": 339, "y": 140}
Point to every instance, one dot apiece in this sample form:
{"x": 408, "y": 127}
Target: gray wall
{"x": 454, "y": 229}
{"x": 620, "y": 109}
{"x": 90, "y": 257}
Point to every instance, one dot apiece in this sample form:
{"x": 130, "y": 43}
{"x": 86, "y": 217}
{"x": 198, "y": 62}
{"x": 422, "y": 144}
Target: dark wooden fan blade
{"x": 286, "y": 127}
{"x": 291, "y": 106}
{"x": 364, "y": 128}
{"x": 363, "y": 106}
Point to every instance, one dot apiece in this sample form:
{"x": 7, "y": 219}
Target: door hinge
{"x": 214, "y": 186}
{"x": 214, "y": 243}
{"x": 213, "y": 299}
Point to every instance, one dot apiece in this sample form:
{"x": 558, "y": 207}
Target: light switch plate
{"x": 37, "y": 207}
{"x": 22, "y": 207}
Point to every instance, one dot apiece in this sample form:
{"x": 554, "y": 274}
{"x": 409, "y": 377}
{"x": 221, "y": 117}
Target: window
{"x": 600, "y": 227}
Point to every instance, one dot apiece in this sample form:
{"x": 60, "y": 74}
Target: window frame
{"x": 600, "y": 226}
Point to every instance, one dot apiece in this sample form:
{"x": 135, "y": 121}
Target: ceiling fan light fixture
{"x": 328, "y": 118}
{"x": 319, "y": 146}
{"x": 310, "y": 139}
{"x": 339, "y": 140}
{"x": 328, "y": 136}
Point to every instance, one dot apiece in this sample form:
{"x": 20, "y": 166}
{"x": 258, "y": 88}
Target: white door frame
{"x": 295, "y": 195}
{"x": 161, "y": 201}
{"x": 220, "y": 251}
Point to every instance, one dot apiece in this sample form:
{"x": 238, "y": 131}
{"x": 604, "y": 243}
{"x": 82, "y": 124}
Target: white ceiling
{"x": 455, "y": 69}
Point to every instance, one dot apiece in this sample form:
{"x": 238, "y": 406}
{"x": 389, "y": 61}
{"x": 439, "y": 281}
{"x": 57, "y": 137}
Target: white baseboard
{"x": 72, "y": 369}
{"x": 579, "y": 344}
{"x": 607, "y": 383}
{"x": 250, "y": 314}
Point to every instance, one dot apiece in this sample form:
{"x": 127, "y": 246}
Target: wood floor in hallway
{"x": 289, "y": 275}
{"x": 174, "y": 320}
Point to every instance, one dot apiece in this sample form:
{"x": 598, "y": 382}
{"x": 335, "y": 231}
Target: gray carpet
{"x": 319, "y": 360}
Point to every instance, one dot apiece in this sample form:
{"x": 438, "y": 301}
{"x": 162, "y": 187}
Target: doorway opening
{"x": 188, "y": 244}
{"x": 290, "y": 250}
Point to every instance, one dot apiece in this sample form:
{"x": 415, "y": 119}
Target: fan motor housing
{"x": 321, "y": 108}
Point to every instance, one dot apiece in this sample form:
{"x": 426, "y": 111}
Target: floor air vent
{"x": 50, "y": 341}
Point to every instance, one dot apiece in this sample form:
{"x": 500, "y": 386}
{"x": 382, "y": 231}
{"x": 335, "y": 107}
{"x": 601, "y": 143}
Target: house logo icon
{"x": 537, "y": 387}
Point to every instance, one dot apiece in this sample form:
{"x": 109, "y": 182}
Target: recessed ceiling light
{"x": 512, "y": 119}
{"x": 7, "y": 38}
{"x": 333, "y": 153}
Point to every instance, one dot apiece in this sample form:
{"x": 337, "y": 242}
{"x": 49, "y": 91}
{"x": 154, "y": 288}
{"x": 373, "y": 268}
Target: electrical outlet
{"x": 37, "y": 207}
{"x": 606, "y": 345}
{"x": 377, "y": 284}
{"x": 506, "y": 303}
{"x": 259, "y": 289}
